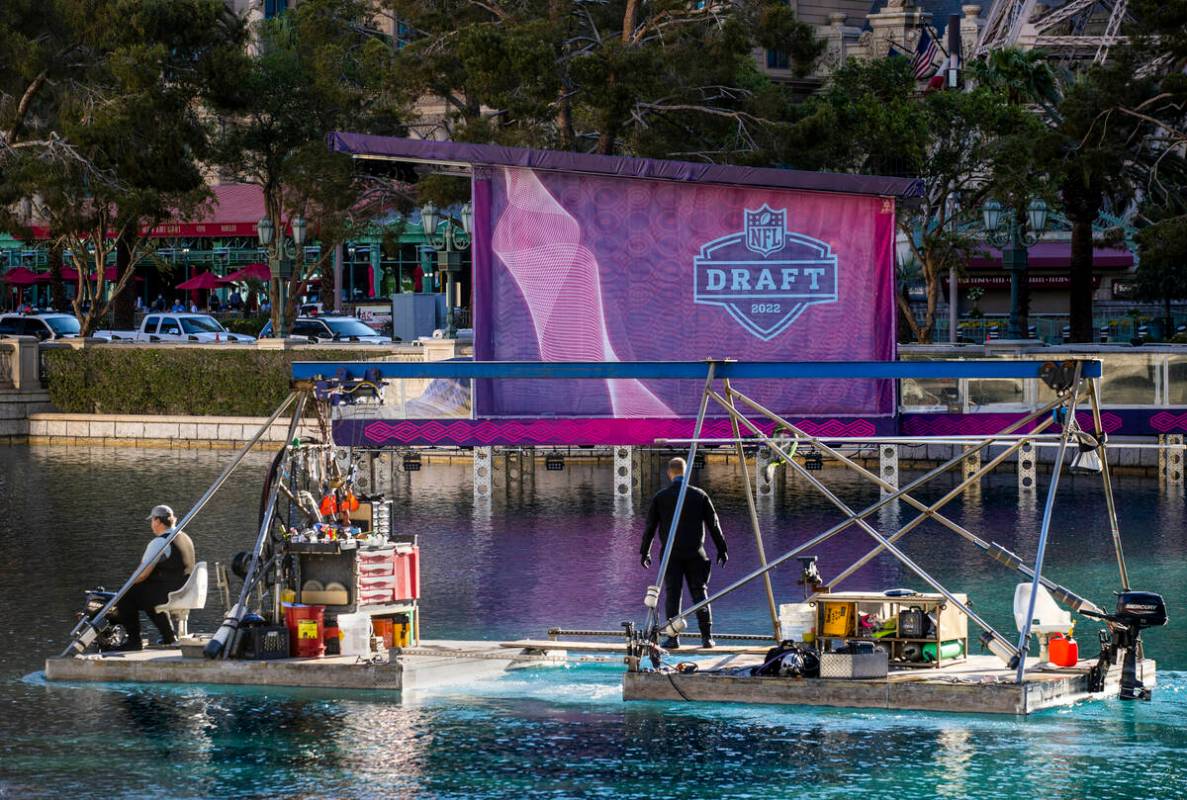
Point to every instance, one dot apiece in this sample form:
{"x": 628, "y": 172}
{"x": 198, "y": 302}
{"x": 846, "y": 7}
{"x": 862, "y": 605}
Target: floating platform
{"x": 428, "y": 665}
{"x": 980, "y": 685}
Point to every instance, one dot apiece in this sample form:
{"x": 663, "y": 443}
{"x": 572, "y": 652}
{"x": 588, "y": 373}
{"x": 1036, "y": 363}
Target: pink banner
{"x": 599, "y": 268}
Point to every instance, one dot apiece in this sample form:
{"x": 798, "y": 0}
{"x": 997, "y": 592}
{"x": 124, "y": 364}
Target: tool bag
{"x": 913, "y": 623}
{"x": 789, "y": 660}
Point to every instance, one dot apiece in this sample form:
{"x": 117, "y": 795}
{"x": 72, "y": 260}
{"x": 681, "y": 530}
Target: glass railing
{"x": 1154, "y": 377}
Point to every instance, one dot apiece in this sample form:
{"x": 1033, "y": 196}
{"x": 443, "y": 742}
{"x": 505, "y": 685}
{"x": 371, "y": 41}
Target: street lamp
{"x": 448, "y": 245}
{"x": 278, "y": 249}
{"x": 1013, "y": 238}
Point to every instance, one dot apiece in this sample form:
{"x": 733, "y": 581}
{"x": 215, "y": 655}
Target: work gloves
{"x": 645, "y": 560}
{"x": 722, "y": 557}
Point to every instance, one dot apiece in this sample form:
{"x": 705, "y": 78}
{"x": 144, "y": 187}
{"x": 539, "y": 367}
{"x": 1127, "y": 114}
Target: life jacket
{"x": 169, "y": 571}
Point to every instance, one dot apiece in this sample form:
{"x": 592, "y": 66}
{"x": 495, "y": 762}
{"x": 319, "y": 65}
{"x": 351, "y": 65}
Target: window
{"x": 150, "y": 324}
{"x": 169, "y": 326}
{"x": 274, "y": 8}
{"x": 201, "y": 325}
{"x": 350, "y": 327}
{"x": 777, "y": 59}
{"x": 308, "y": 329}
{"x": 11, "y": 326}
{"x": 63, "y": 326}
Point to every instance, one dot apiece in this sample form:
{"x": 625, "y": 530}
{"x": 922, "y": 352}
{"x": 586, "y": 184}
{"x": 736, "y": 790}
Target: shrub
{"x": 191, "y": 381}
{"x": 248, "y": 325}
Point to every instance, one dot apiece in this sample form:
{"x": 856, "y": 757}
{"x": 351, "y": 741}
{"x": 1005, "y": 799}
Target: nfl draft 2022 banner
{"x": 603, "y": 268}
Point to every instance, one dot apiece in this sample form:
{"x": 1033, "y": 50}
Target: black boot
{"x": 705, "y": 623}
{"x": 670, "y": 643}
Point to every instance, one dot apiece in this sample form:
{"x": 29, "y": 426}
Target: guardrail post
{"x": 1170, "y": 459}
{"x": 483, "y": 472}
{"x": 970, "y": 466}
{"x": 625, "y": 481}
{"x": 1027, "y": 468}
{"x": 888, "y": 467}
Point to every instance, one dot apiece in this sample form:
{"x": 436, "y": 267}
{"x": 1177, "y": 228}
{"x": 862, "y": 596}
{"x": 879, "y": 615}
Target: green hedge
{"x": 248, "y": 325}
{"x": 194, "y": 381}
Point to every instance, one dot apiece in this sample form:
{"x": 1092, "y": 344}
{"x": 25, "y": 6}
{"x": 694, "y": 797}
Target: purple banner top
{"x": 460, "y": 153}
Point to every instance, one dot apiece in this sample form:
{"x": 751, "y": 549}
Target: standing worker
{"x": 688, "y": 562}
{"x": 156, "y": 580}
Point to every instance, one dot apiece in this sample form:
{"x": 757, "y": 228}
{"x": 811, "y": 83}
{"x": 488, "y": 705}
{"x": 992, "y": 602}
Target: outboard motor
{"x": 1135, "y": 612}
{"x": 111, "y": 635}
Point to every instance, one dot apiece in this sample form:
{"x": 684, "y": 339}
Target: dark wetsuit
{"x": 167, "y": 576}
{"x": 689, "y": 564}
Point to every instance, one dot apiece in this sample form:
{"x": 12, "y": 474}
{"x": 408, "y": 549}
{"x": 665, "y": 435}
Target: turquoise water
{"x": 562, "y": 553}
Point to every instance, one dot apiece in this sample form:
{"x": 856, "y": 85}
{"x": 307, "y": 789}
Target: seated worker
{"x": 155, "y": 581}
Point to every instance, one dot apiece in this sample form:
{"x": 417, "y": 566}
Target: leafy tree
{"x": 320, "y": 67}
{"x": 105, "y": 140}
{"x": 1162, "y": 270}
{"x": 668, "y": 78}
{"x": 872, "y": 119}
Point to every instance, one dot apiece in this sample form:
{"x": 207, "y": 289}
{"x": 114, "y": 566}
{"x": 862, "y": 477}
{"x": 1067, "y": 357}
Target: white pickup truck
{"x": 170, "y": 327}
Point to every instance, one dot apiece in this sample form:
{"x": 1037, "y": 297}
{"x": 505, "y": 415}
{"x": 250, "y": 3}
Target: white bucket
{"x": 355, "y": 631}
{"x": 796, "y": 620}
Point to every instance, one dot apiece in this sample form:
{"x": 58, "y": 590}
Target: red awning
{"x": 252, "y": 272}
{"x": 205, "y": 280}
{"x": 234, "y": 210}
{"x": 20, "y": 276}
{"x": 1057, "y": 255}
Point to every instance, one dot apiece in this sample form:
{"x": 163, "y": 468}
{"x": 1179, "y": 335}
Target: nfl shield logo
{"x": 765, "y": 228}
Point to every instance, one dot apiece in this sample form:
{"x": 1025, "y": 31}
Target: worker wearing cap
{"x": 156, "y": 578}
{"x": 689, "y": 563}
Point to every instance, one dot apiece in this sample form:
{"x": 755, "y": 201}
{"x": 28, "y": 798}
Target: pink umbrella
{"x": 252, "y": 272}
{"x": 205, "y": 280}
{"x": 20, "y": 276}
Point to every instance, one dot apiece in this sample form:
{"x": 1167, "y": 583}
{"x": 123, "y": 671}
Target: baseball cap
{"x": 164, "y": 512}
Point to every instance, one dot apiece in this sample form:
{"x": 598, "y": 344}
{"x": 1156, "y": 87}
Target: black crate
{"x": 264, "y": 643}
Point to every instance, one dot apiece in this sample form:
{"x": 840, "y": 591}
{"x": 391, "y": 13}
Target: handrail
{"x": 688, "y": 370}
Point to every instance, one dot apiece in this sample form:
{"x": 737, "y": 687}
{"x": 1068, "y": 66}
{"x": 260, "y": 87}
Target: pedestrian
{"x": 159, "y": 303}
{"x": 235, "y": 301}
{"x": 193, "y": 307}
{"x": 688, "y": 563}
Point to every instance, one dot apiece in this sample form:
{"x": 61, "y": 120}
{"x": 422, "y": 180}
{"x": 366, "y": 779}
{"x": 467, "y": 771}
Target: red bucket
{"x": 306, "y": 626}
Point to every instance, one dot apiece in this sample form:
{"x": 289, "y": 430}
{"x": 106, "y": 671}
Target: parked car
{"x": 330, "y": 329}
{"x": 45, "y": 327}
{"x": 192, "y": 328}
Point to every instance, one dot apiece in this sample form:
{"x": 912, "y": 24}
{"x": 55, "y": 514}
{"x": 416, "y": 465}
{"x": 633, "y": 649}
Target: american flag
{"x": 925, "y": 54}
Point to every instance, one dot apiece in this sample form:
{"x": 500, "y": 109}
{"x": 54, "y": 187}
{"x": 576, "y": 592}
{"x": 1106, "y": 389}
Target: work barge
{"x": 898, "y": 649}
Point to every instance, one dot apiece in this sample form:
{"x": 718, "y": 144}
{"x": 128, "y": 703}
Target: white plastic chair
{"x": 190, "y": 596}
{"x": 1049, "y": 618}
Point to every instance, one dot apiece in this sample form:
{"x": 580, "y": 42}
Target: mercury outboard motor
{"x": 1135, "y": 612}
{"x": 111, "y": 635}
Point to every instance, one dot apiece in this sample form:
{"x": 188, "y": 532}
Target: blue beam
{"x": 685, "y": 370}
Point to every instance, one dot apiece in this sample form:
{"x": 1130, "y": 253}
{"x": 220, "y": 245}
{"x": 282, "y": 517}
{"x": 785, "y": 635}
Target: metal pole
{"x": 84, "y": 632}
{"x": 953, "y": 305}
{"x": 1045, "y": 530}
{"x": 1106, "y": 477}
{"x": 762, "y": 555}
{"x": 894, "y": 550}
{"x": 929, "y": 512}
{"x": 994, "y": 550}
{"x": 918, "y": 505}
{"x": 653, "y": 591}
{"x": 231, "y": 621}
{"x": 825, "y": 536}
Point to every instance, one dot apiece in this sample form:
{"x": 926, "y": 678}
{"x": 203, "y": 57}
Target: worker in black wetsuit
{"x": 688, "y": 563}
{"x": 156, "y": 580}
